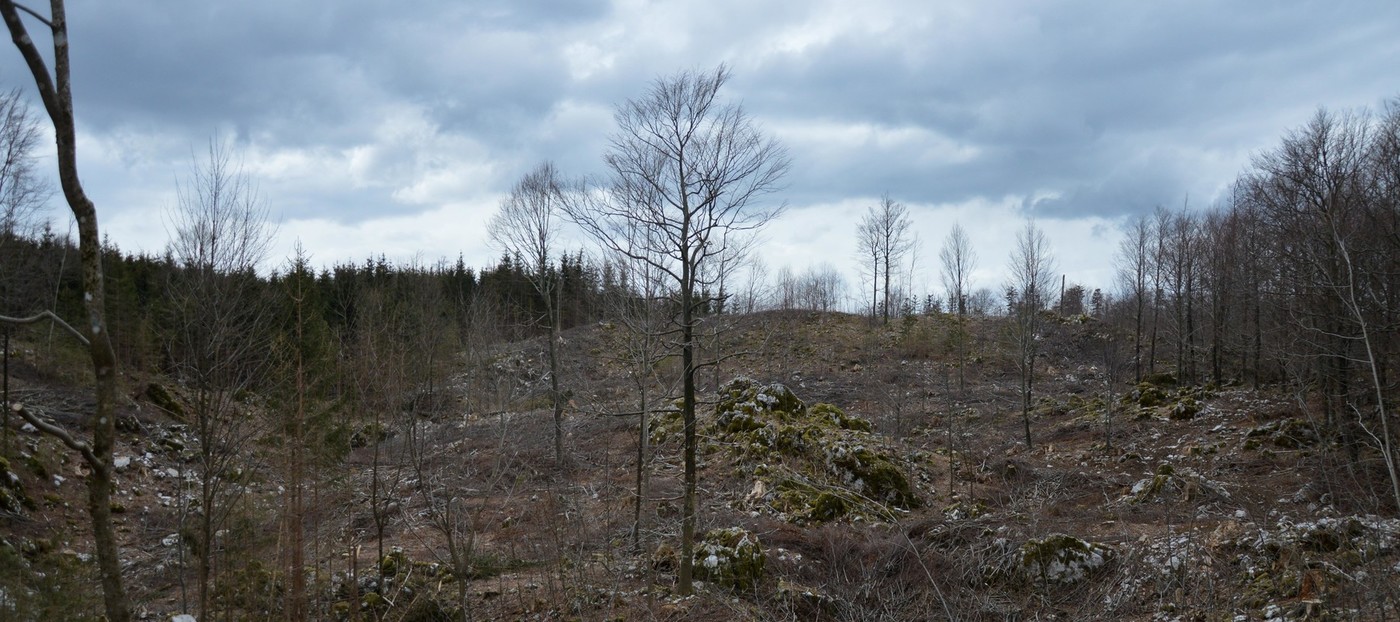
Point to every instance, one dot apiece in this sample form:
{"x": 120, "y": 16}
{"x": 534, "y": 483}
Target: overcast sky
{"x": 374, "y": 127}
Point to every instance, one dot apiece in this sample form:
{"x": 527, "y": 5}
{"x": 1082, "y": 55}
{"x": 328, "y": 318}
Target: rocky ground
{"x": 844, "y": 476}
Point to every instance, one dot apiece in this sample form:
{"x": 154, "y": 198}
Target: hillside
{"x": 844, "y": 476}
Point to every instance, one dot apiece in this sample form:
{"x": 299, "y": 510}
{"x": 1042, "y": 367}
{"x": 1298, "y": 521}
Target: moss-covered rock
{"x": 829, "y": 463}
{"x": 1063, "y": 559}
{"x": 1185, "y": 409}
{"x": 840, "y": 419}
{"x": 665, "y": 426}
{"x": 162, "y": 398}
{"x": 1292, "y": 433}
{"x": 13, "y": 499}
{"x": 1147, "y": 395}
{"x": 732, "y": 557}
{"x": 1171, "y": 484}
{"x": 870, "y": 473}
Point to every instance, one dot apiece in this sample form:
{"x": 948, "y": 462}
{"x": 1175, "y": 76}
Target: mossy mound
{"x": 1171, "y": 484}
{"x": 665, "y": 426}
{"x": 1063, "y": 559}
{"x": 1181, "y": 403}
{"x": 13, "y": 499}
{"x": 870, "y": 473}
{"x": 162, "y": 398}
{"x": 829, "y": 463}
{"x": 402, "y": 589}
{"x": 1291, "y": 433}
{"x": 732, "y": 557}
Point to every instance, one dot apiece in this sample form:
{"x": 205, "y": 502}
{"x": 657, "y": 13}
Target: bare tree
{"x": 883, "y": 239}
{"x": 22, "y": 192}
{"x": 56, "y": 92}
{"x": 1031, "y": 270}
{"x": 1135, "y": 266}
{"x": 526, "y": 227}
{"x": 821, "y": 288}
{"x": 643, "y": 349}
{"x": 216, "y": 338}
{"x": 691, "y": 169}
{"x": 959, "y": 260}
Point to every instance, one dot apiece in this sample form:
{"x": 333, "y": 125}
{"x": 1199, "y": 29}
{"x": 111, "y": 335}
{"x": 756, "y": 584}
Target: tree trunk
{"x": 643, "y": 436}
{"x": 558, "y": 398}
{"x": 56, "y": 93}
{"x": 684, "y": 577}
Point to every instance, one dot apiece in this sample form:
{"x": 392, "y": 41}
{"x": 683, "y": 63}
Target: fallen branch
{"x": 49, "y": 315}
{"x": 62, "y": 435}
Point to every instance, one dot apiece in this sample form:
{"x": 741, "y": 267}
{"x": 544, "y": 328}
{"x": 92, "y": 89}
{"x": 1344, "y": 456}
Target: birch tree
{"x": 693, "y": 170}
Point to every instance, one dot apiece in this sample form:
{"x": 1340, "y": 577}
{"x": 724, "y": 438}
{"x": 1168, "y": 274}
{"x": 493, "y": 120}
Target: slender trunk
{"x": 206, "y": 546}
{"x": 1026, "y": 407}
{"x": 297, "y": 608}
{"x": 57, "y": 95}
{"x": 885, "y": 312}
{"x": 6, "y": 443}
{"x": 688, "y": 520}
{"x": 948, "y": 404}
{"x": 688, "y": 414}
{"x": 1152, "y": 341}
{"x": 1027, "y": 372}
{"x": 558, "y": 398}
{"x": 963, "y": 338}
{"x": 1259, "y": 339}
{"x": 1190, "y": 330}
{"x": 1137, "y": 339}
{"x": 1108, "y": 416}
{"x": 643, "y": 437}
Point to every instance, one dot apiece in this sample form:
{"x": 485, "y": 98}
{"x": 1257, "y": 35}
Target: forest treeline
{"x": 42, "y": 272}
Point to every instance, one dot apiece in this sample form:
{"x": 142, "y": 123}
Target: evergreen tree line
{"x": 41, "y": 271}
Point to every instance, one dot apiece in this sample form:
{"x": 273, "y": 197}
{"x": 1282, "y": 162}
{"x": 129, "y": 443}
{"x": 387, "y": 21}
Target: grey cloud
{"x": 1109, "y": 108}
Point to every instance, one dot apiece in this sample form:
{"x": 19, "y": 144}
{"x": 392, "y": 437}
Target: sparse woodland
{"x": 659, "y": 428}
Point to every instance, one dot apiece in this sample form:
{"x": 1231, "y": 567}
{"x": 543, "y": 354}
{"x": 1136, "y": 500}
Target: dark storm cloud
{"x": 1104, "y": 105}
{"x": 356, "y": 110}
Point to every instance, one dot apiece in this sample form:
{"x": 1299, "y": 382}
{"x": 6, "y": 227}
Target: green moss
{"x": 1294, "y": 433}
{"x": 393, "y": 563}
{"x": 830, "y": 448}
{"x": 872, "y": 474}
{"x": 662, "y": 427}
{"x": 37, "y": 466}
{"x": 731, "y": 557}
{"x": 827, "y": 507}
{"x": 162, "y": 398}
{"x": 1060, "y": 558}
{"x": 840, "y": 419}
{"x": 1185, "y": 410}
{"x": 13, "y": 499}
{"x": 1148, "y": 395}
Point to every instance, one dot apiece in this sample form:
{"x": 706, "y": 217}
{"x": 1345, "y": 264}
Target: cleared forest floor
{"x": 1205, "y": 503}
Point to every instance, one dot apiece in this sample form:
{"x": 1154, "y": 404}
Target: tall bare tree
{"x": 1031, "y": 268}
{"x": 527, "y": 226}
{"x": 692, "y": 169}
{"x": 959, "y": 260}
{"x": 883, "y": 238}
{"x": 1135, "y": 259}
{"x": 56, "y": 91}
{"x": 216, "y": 338}
{"x": 22, "y": 191}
